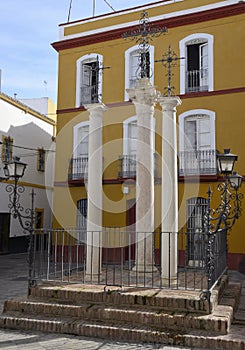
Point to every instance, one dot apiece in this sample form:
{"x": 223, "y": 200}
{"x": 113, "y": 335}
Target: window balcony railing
{"x": 89, "y": 94}
{"x": 197, "y": 162}
{"x": 78, "y": 168}
{"x": 197, "y": 80}
{"x": 127, "y": 166}
{"x": 133, "y": 82}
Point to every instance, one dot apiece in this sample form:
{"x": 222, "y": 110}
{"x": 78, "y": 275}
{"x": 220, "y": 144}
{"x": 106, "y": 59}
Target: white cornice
{"x": 133, "y": 23}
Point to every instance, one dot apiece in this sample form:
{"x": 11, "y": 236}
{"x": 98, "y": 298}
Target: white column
{"x": 169, "y": 242}
{"x": 144, "y": 96}
{"x": 94, "y": 192}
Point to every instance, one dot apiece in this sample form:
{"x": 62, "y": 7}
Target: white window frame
{"x": 76, "y": 140}
{"x": 127, "y": 67}
{"x": 193, "y": 113}
{"x": 82, "y": 60}
{"x": 126, "y": 123}
{"x": 189, "y": 40}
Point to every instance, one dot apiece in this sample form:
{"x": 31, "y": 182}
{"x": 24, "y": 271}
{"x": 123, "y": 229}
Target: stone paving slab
{"x": 16, "y": 340}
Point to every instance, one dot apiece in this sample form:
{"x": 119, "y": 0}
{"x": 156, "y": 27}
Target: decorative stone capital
{"x": 96, "y": 109}
{"x": 144, "y": 93}
{"x": 169, "y": 103}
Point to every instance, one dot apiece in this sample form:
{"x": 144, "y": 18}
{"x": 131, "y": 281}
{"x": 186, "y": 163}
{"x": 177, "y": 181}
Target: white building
{"x": 30, "y": 135}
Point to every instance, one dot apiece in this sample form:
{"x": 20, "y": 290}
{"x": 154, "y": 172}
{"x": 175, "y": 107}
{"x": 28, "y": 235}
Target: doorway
{"x": 4, "y": 232}
{"x": 130, "y": 221}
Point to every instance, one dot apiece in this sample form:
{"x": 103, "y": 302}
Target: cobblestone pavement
{"x": 13, "y": 284}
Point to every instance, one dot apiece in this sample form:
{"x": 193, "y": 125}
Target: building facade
{"x": 98, "y": 64}
{"x": 29, "y": 135}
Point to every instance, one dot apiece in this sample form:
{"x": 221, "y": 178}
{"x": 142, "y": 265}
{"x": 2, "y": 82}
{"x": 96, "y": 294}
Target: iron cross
{"x": 143, "y": 34}
{"x": 169, "y": 60}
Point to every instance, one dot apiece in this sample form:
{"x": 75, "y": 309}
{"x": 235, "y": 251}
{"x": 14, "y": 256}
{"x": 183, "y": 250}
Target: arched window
{"x": 127, "y": 162}
{"x": 197, "y": 154}
{"x": 196, "y": 71}
{"x": 196, "y": 233}
{"x": 79, "y": 162}
{"x": 132, "y": 66}
{"x": 89, "y": 79}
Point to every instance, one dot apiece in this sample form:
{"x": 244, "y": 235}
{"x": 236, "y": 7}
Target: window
{"x": 89, "y": 79}
{"x": 82, "y": 205}
{"x": 7, "y": 149}
{"x": 196, "y": 234}
{"x": 127, "y": 161}
{"x": 130, "y": 147}
{"x": 197, "y": 153}
{"x": 196, "y": 71}
{"x": 41, "y": 159}
{"x": 79, "y": 162}
{"x": 133, "y": 63}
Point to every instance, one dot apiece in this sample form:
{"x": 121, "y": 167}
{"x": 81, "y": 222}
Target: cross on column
{"x": 96, "y": 67}
{"x": 169, "y": 60}
{"x": 142, "y": 35}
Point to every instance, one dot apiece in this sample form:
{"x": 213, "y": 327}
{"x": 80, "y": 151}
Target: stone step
{"x": 219, "y": 321}
{"x": 231, "y": 295}
{"x": 121, "y": 331}
{"x": 168, "y": 300}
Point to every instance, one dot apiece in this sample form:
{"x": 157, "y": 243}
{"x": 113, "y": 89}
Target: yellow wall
{"x": 229, "y": 53}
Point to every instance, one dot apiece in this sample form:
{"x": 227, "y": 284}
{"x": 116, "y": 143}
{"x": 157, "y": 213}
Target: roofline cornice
{"x": 186, "y": 19}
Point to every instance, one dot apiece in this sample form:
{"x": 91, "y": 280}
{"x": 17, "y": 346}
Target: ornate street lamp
{"x": 217, "y": 222}
{"x": 14, "y": 171}
{"x": 226, "y": 161}
{"x": 235, "y": 180}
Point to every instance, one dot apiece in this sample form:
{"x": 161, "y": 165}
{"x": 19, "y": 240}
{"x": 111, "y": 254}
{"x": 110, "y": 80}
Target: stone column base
{"x": 169, "y": 282}
{"x": 144, "y": 268}
{"x": 92, "y": 278}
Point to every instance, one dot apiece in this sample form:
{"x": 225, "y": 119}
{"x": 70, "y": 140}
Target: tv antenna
{"x": 94, "y": 8}
{"x": 107, "y": 3}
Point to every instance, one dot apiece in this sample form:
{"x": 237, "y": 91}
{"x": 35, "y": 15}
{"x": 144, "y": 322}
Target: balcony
{"x": 78, "y": 169}
{"x": 197, "y": 80}
{"x": 127, "y": 166}
{"x": 197, "y": 162}
{"x": 89, "y": 94}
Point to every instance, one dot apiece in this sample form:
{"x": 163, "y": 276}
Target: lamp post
{"x": 229, "y": 209}
{"x": 14, "y": 171}
{"x": 217, "y": 222}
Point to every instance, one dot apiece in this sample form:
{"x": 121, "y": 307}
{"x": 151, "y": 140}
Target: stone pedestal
{"x": 95, "y": 171}
{"x": 169, "y": 246}
{"x": 144, "y": 97}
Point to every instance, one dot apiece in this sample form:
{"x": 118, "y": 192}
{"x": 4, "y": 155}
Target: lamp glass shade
{"x": 226, "y": 162}
{"x": 16, "y": 169}
{"x": 6, "y": 171}
{"x": 236, "y": 180}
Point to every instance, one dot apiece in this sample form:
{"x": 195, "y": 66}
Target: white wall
{"x": 39, "y": 104}
{"x": 30, "y": 133}
{"x": 11, "y": 115}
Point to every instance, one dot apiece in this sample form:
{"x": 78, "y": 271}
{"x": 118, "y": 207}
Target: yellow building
{"x": 96, "y": 63}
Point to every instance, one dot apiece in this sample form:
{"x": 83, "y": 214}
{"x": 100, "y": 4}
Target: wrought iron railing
{"x": 78, "y": 168}
{"x": 198, "y": 162}
{"x": 62, "y": 257}
{"x": 133, "y": 81}
{"x": 197, "y": 80}
{"x": 127, "y": 166}
{"x": 89, "y": 94}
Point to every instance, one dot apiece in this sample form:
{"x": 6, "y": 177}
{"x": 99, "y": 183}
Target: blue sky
{"x": 27, "y": 28}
